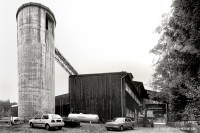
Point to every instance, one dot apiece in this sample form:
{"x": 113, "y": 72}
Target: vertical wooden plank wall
{"x": 96, "y": 94}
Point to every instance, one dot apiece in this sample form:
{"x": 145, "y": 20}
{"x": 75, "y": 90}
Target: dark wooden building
{"x": 107, "y": 94}
{"x": 62, "y": 105}
{"x": 142, "y": 93}
{"x": 14, "y": 110}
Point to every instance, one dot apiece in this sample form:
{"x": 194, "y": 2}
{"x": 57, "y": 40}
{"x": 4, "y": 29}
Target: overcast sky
{"x": 95, "y": 36}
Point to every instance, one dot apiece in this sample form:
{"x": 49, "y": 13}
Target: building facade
{"x": 62, "y": 105}
{"x": 36, "y": 53}
{"x": 109, "y": 95}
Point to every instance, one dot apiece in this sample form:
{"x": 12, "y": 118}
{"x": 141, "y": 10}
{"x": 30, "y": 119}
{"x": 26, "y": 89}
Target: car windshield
{"x": 118, "y": 119}
{"x": 56, "y": 116}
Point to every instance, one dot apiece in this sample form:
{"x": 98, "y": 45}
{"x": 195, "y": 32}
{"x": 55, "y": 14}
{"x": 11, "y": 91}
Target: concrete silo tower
{"x": 36, "y": 53}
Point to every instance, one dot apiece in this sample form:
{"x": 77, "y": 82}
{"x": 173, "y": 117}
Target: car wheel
{"x": 132, "y": 127}
{"x": 31, "y": 125}
{"x": 108, "y": 129}
{"x": 121, "y": 128}
{"x": 152, "y": 125}
{"x": 47, "y": 127}
{"x": 59, "y": 128}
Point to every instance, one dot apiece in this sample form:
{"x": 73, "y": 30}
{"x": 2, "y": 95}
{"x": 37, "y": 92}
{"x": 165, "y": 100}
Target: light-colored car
{"x": 120, "y": 123}
{"x": 47, "y": 121}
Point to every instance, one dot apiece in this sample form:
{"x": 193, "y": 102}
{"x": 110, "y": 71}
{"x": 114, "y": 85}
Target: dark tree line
{"x": 5, "y": 107}
{"x": 177, "y": 70}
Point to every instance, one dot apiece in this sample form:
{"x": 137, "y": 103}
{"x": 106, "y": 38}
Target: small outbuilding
{"x": 62, "y": 104}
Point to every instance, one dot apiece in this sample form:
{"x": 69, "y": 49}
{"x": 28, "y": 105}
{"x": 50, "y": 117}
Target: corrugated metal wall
{"x": 96, "y": 94}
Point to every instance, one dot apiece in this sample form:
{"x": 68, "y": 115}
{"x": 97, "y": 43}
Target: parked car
{"x": 149, "y": 121}
{"x": 120, "y": 123}
{"x": 133, "y": 119}
{"x": 5, "y": 120}
{"x": 47, "y": 121}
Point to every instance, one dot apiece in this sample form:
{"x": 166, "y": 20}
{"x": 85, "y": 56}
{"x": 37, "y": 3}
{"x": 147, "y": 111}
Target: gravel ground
{"x": 25, "y": 128}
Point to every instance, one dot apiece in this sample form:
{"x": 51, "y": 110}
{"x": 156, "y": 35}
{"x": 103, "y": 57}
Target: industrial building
{"x": 62, "y": 105}
{"x": 36, "y": 53}
{"x": 14, "y": 110}
{"x": 107, "y": 94}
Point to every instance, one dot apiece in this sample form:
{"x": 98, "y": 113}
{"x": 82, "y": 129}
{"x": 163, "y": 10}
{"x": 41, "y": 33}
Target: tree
{"x": 5, "y": 108}
{"x": 177, "y": 70}
{"x": 2, "y": 111}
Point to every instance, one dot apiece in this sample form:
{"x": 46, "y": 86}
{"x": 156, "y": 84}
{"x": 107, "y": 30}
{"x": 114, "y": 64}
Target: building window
{"x": 49, "y": 24}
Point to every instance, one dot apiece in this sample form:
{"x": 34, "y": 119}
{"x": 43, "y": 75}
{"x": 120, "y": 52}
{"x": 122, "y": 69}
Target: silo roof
{"x": 38, "y": 5}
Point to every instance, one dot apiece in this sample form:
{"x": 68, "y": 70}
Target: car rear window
{"x": 119, "y": 119}
{"x": 56, "y": 116}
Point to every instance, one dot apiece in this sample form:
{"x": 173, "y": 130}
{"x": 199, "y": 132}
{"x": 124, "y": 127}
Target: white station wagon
{"x": 47, "y": 121}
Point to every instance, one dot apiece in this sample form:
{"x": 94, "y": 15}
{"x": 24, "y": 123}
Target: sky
{"x": 95, "y": 36}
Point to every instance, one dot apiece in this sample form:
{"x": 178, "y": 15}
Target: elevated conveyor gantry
{"x": 64, "y": 63}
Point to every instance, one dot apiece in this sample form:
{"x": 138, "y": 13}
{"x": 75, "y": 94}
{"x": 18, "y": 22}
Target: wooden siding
{"x": 64, "y": 98}
{"x": 62, "y": 105}
{"x": 14, "y": 111}
{"x": 96, "y": 94}
{"x": 130, "y": 103}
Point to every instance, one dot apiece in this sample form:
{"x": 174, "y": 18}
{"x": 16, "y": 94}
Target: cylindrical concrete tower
{"x": 36, "y": 51}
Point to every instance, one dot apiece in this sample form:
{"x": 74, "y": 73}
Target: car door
{"x": 128, "y": 123}
{"x": 44, "y": 120}
{"x": 37, "y": 121}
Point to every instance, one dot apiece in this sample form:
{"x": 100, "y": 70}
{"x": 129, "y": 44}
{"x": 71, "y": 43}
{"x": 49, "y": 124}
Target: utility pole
{"x": 145, "y": 117}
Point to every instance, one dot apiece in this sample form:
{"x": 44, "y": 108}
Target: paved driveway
{"x": 158, "y": 128}
{"x": 87, "y": 128}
